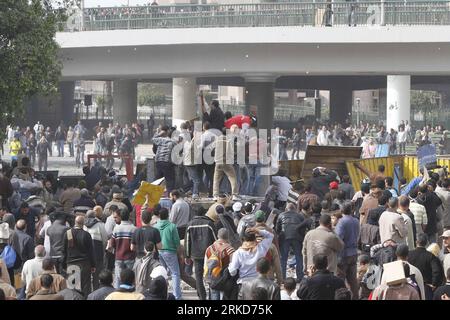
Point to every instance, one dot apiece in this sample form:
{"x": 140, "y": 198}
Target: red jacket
{"x": 237, "y": 120}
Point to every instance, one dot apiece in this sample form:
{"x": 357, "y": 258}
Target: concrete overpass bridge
{"x": 262, "y": 47}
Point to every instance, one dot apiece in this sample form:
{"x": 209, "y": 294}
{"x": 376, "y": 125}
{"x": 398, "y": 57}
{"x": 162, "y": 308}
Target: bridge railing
{"x": 268, "y": 14}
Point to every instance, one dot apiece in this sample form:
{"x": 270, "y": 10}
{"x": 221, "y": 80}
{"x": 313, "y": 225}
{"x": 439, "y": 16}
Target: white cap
{"x": 4, "y": 232}
{"x": 446, "y": 234}
{"x": 237, "y": 206}
{"x": 159, "y": 271}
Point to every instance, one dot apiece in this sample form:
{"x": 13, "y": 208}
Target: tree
{"x": 425, "y": 102}
{"x": 29, "y": 55}
{"x": 100, "y": 101}
{"x": 150, "y": 95}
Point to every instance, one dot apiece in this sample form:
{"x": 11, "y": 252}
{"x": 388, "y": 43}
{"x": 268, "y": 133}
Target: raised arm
{"x": 202, "y": 101}
{"x": 362, "y": 168}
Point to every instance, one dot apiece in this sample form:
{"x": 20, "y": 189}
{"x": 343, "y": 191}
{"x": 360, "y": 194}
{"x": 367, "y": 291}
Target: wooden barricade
{"x": 293, "y": 168}
{"x": 330, "y": 157}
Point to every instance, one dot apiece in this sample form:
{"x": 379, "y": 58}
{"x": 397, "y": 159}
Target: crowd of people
{"x": 367, "y": 136}
{"x": 318, "y": 240}
{"x": 39, "y": 143}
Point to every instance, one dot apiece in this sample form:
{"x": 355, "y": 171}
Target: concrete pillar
{"x": 260, "y": 96}
{"x": 292, "y": 96}
{"x": 184, "y": 104}
{"x": 341, "y": 101}
{"x": 125, "y": 101}
{"x": 398, "y": 103}
{"x": 108, "y": 98}
{"x": 66, "y": 91}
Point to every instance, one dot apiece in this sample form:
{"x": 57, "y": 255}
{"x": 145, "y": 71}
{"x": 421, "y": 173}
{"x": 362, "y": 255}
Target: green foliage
{"x": 425, "y": 101}
{"x": 150, "y": 95}
{"x": 29, "y": 61}
{"x": 100, "y": 101}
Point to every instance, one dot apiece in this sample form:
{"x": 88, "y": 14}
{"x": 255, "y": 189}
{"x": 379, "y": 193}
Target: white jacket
{"x": 322, "y": 138}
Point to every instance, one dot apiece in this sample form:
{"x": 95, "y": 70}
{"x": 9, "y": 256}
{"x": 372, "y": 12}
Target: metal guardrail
{"x": 266, "y": 14}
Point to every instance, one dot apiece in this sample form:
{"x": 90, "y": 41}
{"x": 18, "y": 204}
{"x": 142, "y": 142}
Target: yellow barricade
{"x": 409, "y": 165}
{"x": 371, "y": 165}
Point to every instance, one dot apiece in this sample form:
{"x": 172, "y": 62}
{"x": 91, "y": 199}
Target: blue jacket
{"x": 348, "y": 230}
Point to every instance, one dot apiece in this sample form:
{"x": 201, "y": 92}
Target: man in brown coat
{"x": 69, "y": 196}
{"x": 324, "y": 241}
{"x": 58, "y": 281}
{"x": 370, "y": 202}
{"x": 46, "y": 292}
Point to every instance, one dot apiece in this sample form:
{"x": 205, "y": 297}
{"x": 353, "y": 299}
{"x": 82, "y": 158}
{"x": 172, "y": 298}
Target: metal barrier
{"x": 409, "y": 167}
{"x": 269, "y": 14}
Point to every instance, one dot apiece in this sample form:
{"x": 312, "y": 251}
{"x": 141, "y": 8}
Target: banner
{"x": 382, "y": 150}
{"x": 427, "y": 156}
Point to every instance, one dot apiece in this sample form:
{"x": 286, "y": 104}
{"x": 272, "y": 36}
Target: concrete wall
{"x": 167, "y": 53}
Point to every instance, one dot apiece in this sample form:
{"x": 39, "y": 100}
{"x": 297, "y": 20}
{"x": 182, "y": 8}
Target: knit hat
{"x": 260, "y": 216}
{"x": 334, "y": 185}
{"x": 4, "y": 232}
{"x": 237, "y": 207}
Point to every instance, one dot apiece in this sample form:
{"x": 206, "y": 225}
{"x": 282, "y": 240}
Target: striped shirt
{"x": 420, "y": 214}
{"x": 121, "y": 240}
{"x": 293, "y": 197}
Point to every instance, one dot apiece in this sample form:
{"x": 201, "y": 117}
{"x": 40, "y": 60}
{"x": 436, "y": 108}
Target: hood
{"x": 90, "y": 222}
{"x": 158, "y": 288}
{"x": 163, "y": 224}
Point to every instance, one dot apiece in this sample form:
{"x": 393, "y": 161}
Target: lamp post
{"x": 358, "y": 103}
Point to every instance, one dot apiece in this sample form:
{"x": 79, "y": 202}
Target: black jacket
{"x": 83, "y": 204}
{"x": 431, "y": 202}
{"x": 216, "y": 118}
{"x": 260, "y": 282}
{"x": 288, "y": 224}
{"x": 429, "y": 265}
{"x": 56, "y": 234}
{"x": 374, "y": 215}
{"x": 31, "y": 218}
{"x": 321, "y": 286}
{"x": 23, "y": 245}
{"x": 82, "y": 249}
{"x": 320, "y": 184}
{"x": 200, "y": 234}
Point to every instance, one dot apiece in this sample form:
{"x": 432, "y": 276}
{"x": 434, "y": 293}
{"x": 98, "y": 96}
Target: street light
{"x": 358, "y": 103}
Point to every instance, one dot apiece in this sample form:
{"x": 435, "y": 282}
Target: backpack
{"x": 9, "y": 256}
{"x": 213, "y": 268}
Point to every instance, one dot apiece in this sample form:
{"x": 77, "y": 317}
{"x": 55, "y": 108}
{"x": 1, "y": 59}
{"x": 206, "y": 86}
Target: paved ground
{"x": 66, "y": 165}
